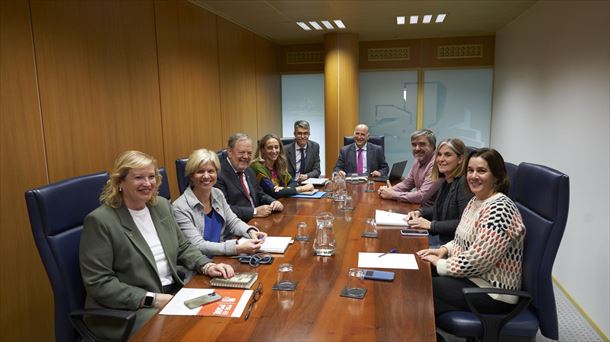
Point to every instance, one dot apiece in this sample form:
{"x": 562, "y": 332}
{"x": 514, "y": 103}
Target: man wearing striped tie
{"x": 303, "y": 154}
{"x": 362, "y": 157}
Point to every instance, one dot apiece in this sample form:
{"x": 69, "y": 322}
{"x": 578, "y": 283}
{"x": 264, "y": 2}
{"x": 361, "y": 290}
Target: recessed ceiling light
{"x": 427, "y": 19}
{"x": 315, "y": 25}
{"x": 400, "y": 20}
{"x": 328, "y": 25}
{"x": 303, "y": 26}
{"x": 339, "y": 24}
{"x": 413, "y": 19}
{"x": 440, "y": 18}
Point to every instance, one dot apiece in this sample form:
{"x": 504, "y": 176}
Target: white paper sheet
{"x": 387, "y": 218}
{"x": 391, "y": 260}
{"x": 176, "y": 306}
{"x": 316, "y": 181}
{"x": 273, "y": 244}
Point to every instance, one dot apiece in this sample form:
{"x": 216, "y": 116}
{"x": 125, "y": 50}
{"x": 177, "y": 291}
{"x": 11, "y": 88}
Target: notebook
{"x": 238, "y": 281}
{"x": 273, "y": 244}
{"x": 395, "y": 174}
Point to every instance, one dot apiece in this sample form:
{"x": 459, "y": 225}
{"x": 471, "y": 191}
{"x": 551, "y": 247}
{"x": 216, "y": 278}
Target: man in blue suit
{"x": 362, "y": 157}
{"x": 303, "y": 154}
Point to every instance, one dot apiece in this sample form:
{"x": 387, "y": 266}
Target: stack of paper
{"x": 387, "y": 260}
{"x": 273, "y": 244}
{"x": 387, "y": 218}
{"x": 316, "y": 181}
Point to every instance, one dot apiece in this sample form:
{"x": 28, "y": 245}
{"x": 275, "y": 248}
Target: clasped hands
{"x": 252, "y": 245}
{"x": 267, "y": 209}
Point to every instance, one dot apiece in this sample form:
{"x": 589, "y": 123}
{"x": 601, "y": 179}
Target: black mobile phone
{"x": 413, "y": 232}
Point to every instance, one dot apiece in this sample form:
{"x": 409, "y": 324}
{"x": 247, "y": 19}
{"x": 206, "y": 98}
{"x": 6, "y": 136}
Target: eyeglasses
{"x": 255, "y": 297}
{"x": 255, "y": 260}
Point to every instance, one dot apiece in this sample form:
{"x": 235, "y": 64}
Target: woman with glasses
{"x": 204, "y": 216}
{"x": 443, "y": 217}
{"x": 131, "y": 247}
{"x": 271, "y": 169}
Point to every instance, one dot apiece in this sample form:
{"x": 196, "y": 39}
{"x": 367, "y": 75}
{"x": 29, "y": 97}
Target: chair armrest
{"x": 493, "y": 323}
{"x": 77, "y": 319}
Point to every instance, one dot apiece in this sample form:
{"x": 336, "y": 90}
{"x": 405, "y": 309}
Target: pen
{"x": 249, "y": 310}
{"x": 393, "y": 250}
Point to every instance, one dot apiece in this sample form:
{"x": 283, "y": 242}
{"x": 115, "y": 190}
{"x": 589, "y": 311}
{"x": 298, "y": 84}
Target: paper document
{"x": 316, "y": 194}
{"x": 273, "y": 244}
{"x": 232, "y": 304}
{"x": 386, "y": 218}
{"x": 390, "y": 260}
{"x": 315, "y": 181}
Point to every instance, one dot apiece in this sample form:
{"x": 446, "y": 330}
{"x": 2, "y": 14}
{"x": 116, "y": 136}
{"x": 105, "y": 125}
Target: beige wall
{"x": 83, "y": 81}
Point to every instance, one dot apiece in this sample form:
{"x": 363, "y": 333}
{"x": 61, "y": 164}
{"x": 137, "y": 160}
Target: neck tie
{"x": 359, "y": 165}
{"x": 302, "y": 166}
{"x": 244, "y": 186}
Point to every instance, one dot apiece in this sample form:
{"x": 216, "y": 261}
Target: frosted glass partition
{"x": 388, "y": 105}
{"x": 303, "y": 99}
{"x": 457, "y": 104}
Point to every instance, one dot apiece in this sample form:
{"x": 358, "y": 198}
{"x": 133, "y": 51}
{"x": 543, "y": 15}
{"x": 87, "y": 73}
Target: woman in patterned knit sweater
{"x": 487, "y": 250}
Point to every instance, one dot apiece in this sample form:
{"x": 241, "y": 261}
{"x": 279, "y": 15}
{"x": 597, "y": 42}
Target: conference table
{"x": 398, "y": 310}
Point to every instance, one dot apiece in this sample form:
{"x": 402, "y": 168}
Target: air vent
{"x": 389, "y": 54}
{"x": 459, "y": 51}
{"x": 305, "y": 57}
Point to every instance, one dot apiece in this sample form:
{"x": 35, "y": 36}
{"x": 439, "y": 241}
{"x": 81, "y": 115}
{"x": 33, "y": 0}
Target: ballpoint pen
{"x": 393, "y": 250}
{"x": 249, "y": 310}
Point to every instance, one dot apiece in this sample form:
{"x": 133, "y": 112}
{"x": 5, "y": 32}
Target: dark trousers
{"x": 448, "y": 296}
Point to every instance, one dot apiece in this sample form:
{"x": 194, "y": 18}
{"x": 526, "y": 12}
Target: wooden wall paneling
{"x": 268, "y": 89}
{"x": 305, "y": 58}
{"x": 341, "y": 89}
{"x": 26, "y": 300}
{"x": 99, "y": 85}
{"x": 236, "y": 59}
{"x": 188, "y": 72}
{"x": 414, "y": 61}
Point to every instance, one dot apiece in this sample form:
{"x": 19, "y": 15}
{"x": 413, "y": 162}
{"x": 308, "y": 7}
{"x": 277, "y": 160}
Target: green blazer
{"x": 118, "y": 267}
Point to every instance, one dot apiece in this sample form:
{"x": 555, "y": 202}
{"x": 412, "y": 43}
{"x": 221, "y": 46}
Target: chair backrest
{"x": 183, "y": 181}
{"x": 511, "y": 170}
{"x": 164, "y": 188}
{"x": 470, "y": 149}
{"x": 542, "y": 195}
{"x": 57, "y": 212}
{"x": 287, "y": 140}
{"x": 374, "y": 139}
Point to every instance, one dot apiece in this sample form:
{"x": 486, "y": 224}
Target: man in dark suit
{"x": 303, "y": 155}
{"x": 238, "y": 182}
{"x": 362, "y": 157}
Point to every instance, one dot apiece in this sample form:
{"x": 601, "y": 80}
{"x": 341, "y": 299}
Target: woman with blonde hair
{"x": 271, "y": 169}
{"x": 444, "y": 216}
{"x": 205, "y": 217}
{"x": 131, "y": 246}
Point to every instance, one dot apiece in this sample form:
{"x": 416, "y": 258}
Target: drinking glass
{"x": 370, "y": 186}
{"x": 370, "y": 228}
{"x": 285, "y": 278}
{"x": 302, "y": 234}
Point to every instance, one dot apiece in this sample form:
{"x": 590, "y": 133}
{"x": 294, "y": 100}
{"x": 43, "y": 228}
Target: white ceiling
{"x": 371, "y": 19}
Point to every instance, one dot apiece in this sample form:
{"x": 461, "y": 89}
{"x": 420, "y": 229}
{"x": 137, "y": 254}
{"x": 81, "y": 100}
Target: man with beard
{"x": 418, "y": 187}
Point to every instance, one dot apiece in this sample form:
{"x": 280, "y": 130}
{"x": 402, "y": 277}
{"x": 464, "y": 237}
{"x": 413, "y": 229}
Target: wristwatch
{"x": 149, "y": 300}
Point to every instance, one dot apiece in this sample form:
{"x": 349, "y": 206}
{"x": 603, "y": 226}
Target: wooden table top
{"x": 398, "y": 310}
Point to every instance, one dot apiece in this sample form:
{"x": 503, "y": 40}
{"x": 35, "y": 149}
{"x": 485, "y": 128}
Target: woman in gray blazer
{"x": 205, "y": 217}
{"x": 131, "y": 247}
{"x": 444, "y": 216}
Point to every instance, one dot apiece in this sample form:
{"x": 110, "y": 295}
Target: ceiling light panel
{"x": 315, "y": 25}
{"x": 328, "y": 25}
{"x": 339, "y": 24}
{"x": 427, "y": 19}
{"x": 303, "y": 26}
{"x": 440, "y": 18}
{"x": 413, "y": 19}
{"x": 400, "y": 20}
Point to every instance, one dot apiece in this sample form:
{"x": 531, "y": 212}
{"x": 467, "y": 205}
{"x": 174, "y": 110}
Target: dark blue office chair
{"x": 511, "y": 170}
{"x": 183, "y": 181}
{"x": 57, "y": 212}
{"x": 374, "y": 139}
{"x": 164, "y": 188}
{"x": 287, "y": 140}
{"x": 471, "y": 149}
{"x": 542, "y": 195}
